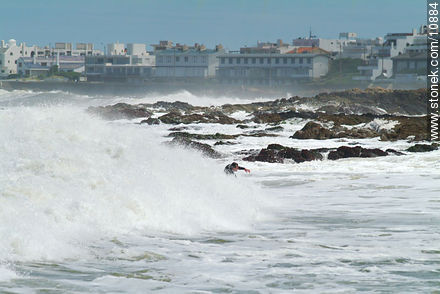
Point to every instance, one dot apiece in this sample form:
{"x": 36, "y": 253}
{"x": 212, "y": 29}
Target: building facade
{"x": 121, "y": 67}
{"x": 273, "y": 68}
{"x": 380, "y": 61}
{"x": 41, "y": 65}
{"x": 182, "y": 61}
{"x": 9, "y": 55}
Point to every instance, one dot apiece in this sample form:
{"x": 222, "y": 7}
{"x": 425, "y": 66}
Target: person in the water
{"x": 230, "y": 169}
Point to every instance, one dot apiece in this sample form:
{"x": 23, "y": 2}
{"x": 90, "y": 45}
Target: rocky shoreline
{"x": 389, "y": 115}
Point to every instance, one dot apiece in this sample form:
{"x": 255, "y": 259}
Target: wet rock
{"x": 275, "y": 129}
{"x": 151, "y": 121}
{"x": 389, "y": 150}
{"x": 216, "y": 136}
{"x": 121, "y": 111}
{"x": 206, "y": 149}
{"x": 242, "y": 126}
{"x": 347, "y": 152}
{"x": 224, "y": 143}
{"x": 313, "y": 130}
{"x": 423, "y": 147}
{"x": 172, "y": 106}
{"x": 278, "y": 153}
{"x": 213, "y": 117}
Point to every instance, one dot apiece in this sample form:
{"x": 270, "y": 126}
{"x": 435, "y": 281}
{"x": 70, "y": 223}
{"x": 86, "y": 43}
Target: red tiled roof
{"x": 308, "y": 50}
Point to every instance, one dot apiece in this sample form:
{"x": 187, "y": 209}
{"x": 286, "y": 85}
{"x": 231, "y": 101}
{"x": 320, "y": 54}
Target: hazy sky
{"x": 234, "y": 23}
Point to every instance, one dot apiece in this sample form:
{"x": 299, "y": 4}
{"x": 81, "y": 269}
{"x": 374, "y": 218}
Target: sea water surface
{"x": 91, "y": 206}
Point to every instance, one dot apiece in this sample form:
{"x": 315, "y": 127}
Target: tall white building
{"x": 9, "y": 54}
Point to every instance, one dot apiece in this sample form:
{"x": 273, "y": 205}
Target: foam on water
{"x": 68, "y": 179}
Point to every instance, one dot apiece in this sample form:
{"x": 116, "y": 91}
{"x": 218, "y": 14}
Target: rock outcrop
{"x": 278, "y": 153}
{"x": 346, "y": 152}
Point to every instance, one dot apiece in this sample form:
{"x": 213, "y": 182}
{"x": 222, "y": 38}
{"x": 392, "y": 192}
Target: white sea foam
{"x": 67, "y": 179}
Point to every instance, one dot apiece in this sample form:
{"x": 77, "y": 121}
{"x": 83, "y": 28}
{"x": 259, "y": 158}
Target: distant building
{"x": 380, "y": 61}
{"x": 360, "y": 48}
{"x": 302, "y": 63}
{"x": 40, "y": 65}
{"x": 334, "y": 46}
{"x": 9, "y": 54}
{"x": 412, "y": 64}
{"x": 182, "y": 61}
{"x": 66, "y": 49}
{"x": 116, "y": 49}
{"x": 136, "y": 66}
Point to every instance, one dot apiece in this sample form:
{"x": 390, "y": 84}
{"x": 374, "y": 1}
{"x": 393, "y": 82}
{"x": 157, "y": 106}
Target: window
{"x": 277, "y": 60}
{"x": 309, "y": 60}
{"x": 269, "y": 60}
{"x": 20, "y": 64}
{"x": 177, "y": 58}
{"x": 11, "y": 54}
{"x": 160, "y": 59}
{"x": 16, "y": 62}
{"x": 285, "y": 60}
{"x": 238, "y": 60}
{"x": 300, "y": 60}
{"x": 44, "y": 64}
{"x": 246, "y": 60}
{"x": 230, "y": 60}
{"x": 168, "y": 59}
{"x": 292, "y": 60}
{"x": 222, "y": 60}
{"x": 261, "y": 60}
{"x": 254, "y": 60}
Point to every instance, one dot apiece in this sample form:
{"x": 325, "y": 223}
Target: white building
{"x": 116, "y": 49}
{"x": 9, "y": 54}
{"x": 334, "y": 46}
{"x": 273, "y": 68}
{"x": 40, "y": 65}
{"x": 66, "y": 49}
{"x": 380, "y": 62}
{"x": 412, "y": 65}
{"x": 360, "y": 48}
{"x": 182, "y": 61}
{"x": 121, "y": 67}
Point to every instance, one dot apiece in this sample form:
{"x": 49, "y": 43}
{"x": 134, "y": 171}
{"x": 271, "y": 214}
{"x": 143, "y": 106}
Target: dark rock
{"x": 224, "y": 143}
{"x": 275, "y": 147}
{"x": 313, "y": 130}
{"x": 216, "y": 136}
{"x": 275, "y": 129}
{"x": 206, "y": 149}
{"x": 242, "y": 126}
{"x": 346, "y": 152}
{"x": 212, "y": 117}
{"x": 151, "y": 121}
{"x": 177, "y": 129}
{"x": 394, "y": 152}
{"x": 423, "y": 147}
{"x": 266, "y": 155}
{"x": 277, "y": 153}
{"x": 173, "y": 106}
{"x": 121, "y": 111}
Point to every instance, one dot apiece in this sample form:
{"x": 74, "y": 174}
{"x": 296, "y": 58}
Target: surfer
{"x": 230, "y": 169}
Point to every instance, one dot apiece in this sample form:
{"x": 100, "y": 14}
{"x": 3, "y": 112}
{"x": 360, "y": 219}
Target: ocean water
{"x": 91, "y": 206}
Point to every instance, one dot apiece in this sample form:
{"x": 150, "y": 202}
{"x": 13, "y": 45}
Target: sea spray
{"x": 68, "y": 179}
